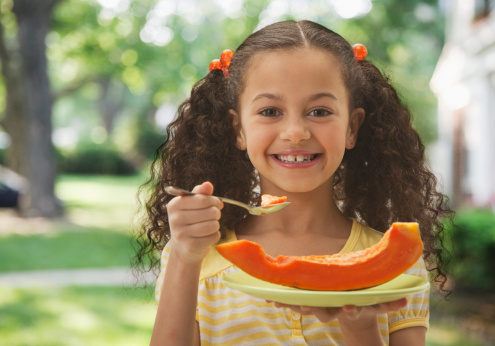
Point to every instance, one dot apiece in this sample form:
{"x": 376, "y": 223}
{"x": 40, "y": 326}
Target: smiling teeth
{"x": 295, "y": 158}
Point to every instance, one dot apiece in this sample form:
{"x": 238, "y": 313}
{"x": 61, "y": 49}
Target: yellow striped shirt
{"x": 230, "y": 317}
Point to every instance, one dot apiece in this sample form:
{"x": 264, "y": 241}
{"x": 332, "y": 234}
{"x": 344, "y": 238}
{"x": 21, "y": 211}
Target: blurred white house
{"x": 464, "y": 83}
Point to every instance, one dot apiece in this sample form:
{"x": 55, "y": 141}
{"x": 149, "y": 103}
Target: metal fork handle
{"x": 176, "y": 191}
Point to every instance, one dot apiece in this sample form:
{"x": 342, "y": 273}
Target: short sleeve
{"x": 417, "y": 311}
{"x": 163, "y": 265}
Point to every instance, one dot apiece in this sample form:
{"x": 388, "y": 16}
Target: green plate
{"x": 397, "y": 288}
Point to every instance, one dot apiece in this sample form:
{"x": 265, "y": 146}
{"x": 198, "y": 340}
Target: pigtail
{"x": 200, "y": 146}
{"x": 203, "y": 147}
{"x": 386, "y": 178}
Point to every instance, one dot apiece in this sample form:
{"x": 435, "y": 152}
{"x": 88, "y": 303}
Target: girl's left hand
{"x": 348, "y": 313}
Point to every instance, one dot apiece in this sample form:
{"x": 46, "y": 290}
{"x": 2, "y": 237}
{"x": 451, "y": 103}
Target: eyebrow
{"x": 280, "y": 98}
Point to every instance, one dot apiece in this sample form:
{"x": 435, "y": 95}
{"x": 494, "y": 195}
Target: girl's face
{"x": 294, "y": 119}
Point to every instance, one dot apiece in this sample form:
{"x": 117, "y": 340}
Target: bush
{"x": 148, "y": 139}
{"x": 471, "y": 242}
{"x": 90, "y": 158}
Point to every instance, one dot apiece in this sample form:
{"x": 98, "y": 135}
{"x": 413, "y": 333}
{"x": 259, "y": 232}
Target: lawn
{"x": 97, "y": 233}
{"x": 76, "y": 316}
{"x": 85, "y": 248}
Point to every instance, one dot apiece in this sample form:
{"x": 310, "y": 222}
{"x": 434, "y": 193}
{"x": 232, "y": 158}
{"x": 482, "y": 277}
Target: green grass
{"x": 97, "y": 232}
{"x": 100, "y": 201}
{"x": 86, "y": 248}
{"x": 76, "y": 316}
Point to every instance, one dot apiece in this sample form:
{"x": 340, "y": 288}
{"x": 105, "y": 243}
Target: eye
{"x": 270, "y": 112}
{"x": 319, "y": 112}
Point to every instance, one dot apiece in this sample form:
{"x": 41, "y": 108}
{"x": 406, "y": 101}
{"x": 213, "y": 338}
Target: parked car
{"x": 9, "y": 197}
{"x": 12, "y": 186}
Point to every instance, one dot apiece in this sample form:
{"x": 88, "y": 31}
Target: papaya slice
{"x": 399, "y": 248}
{"x": 269, "y": 200}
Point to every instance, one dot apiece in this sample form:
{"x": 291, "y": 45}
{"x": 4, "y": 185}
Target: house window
{"x": 482, "y": 8}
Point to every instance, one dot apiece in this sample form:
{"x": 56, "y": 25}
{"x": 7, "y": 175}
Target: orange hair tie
{"x": 360, "y": 51}
{"x": 223, "y": 63}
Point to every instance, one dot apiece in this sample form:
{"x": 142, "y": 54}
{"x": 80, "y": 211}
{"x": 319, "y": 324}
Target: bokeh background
{"x": 87, "y": 88}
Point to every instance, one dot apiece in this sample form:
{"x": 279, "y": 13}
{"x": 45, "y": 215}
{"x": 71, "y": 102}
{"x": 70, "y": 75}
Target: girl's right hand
{"x": 194, "y": 225}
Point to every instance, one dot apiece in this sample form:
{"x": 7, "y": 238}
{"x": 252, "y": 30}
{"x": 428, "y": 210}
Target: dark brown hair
{"x": 385, "y": 178}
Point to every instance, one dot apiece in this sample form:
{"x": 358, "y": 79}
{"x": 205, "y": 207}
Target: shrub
{"x": 90, "y": 158}
{"x": 471, "y": 242}
{"x": 148, "y": 139}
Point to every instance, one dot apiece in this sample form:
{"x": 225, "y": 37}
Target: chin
{"x": 299, "y": 187}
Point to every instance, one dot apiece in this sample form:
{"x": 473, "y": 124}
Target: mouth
{"x": 300, "y": 158}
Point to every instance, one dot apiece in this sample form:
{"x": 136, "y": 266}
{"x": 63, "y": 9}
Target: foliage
{"x": 405, "y": 39}
{"x": 92, "y": 158}
{"x": 115, "y": 64}
{"x": 147, "y": 139}
{"x": 110, "y": 61}
{"x": 471, "y": 241}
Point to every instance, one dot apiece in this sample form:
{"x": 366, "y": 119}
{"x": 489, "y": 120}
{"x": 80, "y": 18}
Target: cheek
{"x": 336, "y": 134}
{"x": 255, "y": 133}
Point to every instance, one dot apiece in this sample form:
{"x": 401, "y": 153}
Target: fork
{"x": 262, "y": 210}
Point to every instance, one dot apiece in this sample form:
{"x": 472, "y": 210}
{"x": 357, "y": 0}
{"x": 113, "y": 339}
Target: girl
{"x": 295, "y": 114}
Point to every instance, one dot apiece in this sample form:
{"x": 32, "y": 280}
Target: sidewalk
{"x": 72, "y": 277}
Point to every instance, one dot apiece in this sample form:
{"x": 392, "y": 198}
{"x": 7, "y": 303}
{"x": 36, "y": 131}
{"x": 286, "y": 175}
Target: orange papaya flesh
{"x": 399, "y": 248}
{"x": 269, "y": 200}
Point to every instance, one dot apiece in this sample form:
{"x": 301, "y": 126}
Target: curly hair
{"x": 384, "y": 178}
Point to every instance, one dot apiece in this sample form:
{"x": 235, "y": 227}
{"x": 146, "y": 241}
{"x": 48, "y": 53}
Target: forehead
{"x": 299, "y": 71}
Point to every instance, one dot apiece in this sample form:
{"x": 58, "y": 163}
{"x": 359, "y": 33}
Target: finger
{"x": 390, "y": 306}
{"x": 349, "y": 308}
{"x": 295, "y": 308}
{"x": 196, "y": 202}
{"x": 352, "y": 312}
{"x": 190, "y": 217}
{"x": 396, "y": 304}
{"x": 199, "y": 202}
{"x": 205, "y": 189}
{"x": 201, "y": 229}
{"x": 205, "y": 229}
{"x": 327, "y": 314}
{"x": 208, "y": 240}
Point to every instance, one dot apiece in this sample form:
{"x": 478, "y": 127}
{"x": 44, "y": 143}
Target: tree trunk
{"x": 29, "y": 108}
{"x": 110, "y": 102}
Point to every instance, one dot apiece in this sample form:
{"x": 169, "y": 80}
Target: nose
{"x": 295, "y": 129}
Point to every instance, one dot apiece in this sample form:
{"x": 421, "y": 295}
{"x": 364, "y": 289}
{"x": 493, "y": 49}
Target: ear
{"x": 356, "y": 118}
{"x": 236, "y": 123}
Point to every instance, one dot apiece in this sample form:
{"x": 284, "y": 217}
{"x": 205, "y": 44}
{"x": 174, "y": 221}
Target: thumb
{"x": 205, "y": 189}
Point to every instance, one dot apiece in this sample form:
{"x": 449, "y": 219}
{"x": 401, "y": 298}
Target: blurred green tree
{"x": 119, "y": 68}
{"x": 127, "y": 59}
{"x": 404, "y": 38}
